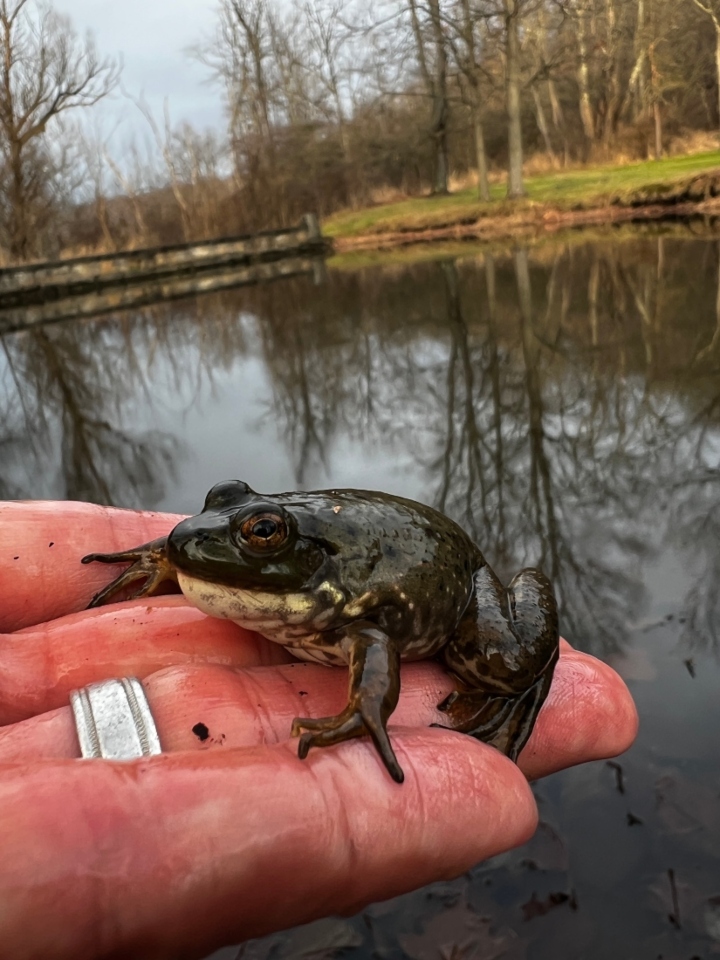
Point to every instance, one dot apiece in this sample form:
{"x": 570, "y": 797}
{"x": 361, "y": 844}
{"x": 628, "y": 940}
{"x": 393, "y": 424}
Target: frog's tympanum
{"x": 364, "y": 579}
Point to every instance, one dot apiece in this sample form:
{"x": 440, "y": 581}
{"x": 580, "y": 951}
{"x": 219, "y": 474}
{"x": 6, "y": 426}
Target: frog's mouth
{"x": 254, "y": 608}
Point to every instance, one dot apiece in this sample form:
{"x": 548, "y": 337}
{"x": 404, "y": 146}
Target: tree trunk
{"x": 440, "y": 102}
{"x": 19, "y": 239}
{"x": 555, "y": 105}
{"x": 639, "y": 88}
{"x": 439, "y": 135}
{"x": 436, "y": 86}
{"x": 543, "y": 127}
{"x": 516, "y": 188}
{"x": 586, "y": 114}
{"x": 658, "y": 130}
{"x": 483, "y": 185}
{"x": 614, "y": 98}
{"x": 717, "y": 62}
{"x": 558, "y": 118}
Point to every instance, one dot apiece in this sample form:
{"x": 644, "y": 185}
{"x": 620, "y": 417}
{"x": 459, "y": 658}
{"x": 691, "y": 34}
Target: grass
{"x": 582, "y": 188}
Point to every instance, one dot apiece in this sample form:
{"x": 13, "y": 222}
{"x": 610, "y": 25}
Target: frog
{"x": 364, "y": 580}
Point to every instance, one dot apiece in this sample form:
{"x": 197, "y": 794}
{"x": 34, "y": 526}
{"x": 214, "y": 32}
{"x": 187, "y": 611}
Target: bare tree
{"x": 432, "y": 57}
{"x": 471, "y": 75}
{"x": 45, "y": 70}
{"x": 712, "y": 9}
{"x": 515, "y": 188}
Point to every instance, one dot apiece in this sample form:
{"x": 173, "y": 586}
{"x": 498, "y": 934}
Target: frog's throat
{"x": 255, "y": 608}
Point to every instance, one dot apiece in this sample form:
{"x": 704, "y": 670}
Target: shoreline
{"x": 527, "y": 223}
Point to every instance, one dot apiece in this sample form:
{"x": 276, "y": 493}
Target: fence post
{"x": 312, "y": 226}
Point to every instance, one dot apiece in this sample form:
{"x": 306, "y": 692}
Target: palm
{"x": 228, "y": 835}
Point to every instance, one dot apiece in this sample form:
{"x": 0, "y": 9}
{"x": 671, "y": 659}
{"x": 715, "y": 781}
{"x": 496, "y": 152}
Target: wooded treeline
{"x": 338, "y": 103}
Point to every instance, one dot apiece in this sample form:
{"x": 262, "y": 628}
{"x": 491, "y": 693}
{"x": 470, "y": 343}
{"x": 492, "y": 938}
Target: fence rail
{"x": 155, "y": 290}
{"x": 40, "y": 282}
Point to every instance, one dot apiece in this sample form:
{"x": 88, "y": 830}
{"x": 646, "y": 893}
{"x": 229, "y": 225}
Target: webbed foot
{"x": 504, "y": 722}
{"x": 354, "y": 721}
{"x": 148, "y": 564}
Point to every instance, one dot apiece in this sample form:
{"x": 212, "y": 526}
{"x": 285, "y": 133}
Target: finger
{"x": 41, "y": 665}
{"x": 41, "y": 544}
{"x": 179, "y": 855}
{"x": 588, "y": 715}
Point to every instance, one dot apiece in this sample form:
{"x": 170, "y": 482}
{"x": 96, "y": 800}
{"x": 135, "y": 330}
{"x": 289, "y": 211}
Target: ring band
{"x": 113, "y": 720}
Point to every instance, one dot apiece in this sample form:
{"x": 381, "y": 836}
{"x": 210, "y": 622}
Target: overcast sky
{"x": 151, "y": 36}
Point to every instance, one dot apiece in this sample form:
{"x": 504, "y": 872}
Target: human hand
{"x": 229, "y": 837}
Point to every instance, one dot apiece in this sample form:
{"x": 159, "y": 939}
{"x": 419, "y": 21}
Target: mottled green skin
{"x": 367, "y": 579}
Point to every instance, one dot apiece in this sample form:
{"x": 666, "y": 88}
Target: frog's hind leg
{"x": 504, "y": 652}
{"x": 148, "y": 564}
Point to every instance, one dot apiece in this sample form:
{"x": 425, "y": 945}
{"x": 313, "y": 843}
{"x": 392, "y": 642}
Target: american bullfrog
{"x": 364, "y": 580}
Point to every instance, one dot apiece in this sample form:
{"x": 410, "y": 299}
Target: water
{"x": 563, "y": 404}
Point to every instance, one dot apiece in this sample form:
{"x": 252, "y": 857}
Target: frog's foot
{"x": 505, "y": 722}
{"x": 148, "y": 564}
{"x": 475, "y": 712}
{"x": 354, "y": 721}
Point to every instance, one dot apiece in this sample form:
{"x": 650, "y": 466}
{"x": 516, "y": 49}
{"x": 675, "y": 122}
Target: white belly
{"x": 282, "y": 618}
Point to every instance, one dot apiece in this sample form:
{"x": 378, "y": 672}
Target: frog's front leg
{"x": 374, "y": 664}
{"x": 148, "y": 563}
{"x": 504, "y": 651}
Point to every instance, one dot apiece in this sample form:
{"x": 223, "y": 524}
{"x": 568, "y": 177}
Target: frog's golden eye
{"x": 263, "y": 531}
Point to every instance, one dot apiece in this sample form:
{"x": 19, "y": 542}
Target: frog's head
{"x": 243, "y": 539}
{"x": 245, "y": 554}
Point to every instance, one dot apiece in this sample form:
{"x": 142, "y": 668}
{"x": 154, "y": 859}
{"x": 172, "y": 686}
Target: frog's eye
{"x": 264, "y": 531}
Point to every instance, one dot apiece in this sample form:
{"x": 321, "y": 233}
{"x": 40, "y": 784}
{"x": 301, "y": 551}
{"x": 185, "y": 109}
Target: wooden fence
{"x": 40, "y": 282}
{"x": 153, "y": 290}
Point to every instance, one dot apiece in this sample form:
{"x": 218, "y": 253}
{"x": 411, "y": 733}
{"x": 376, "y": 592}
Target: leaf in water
{"x": 685, "y": 806}
{"x": 322, "y": 940}
{"x": 681, "y": 901}
{"x": 665, "y": 889}
{"x": 546, "y": 850}
{"x": 460, "y": 934}
{"x": 712, "y": 918}
{"x": 634, "y": 664}
{"x": 619, "y": 776}
{"x": 538, "y": 908}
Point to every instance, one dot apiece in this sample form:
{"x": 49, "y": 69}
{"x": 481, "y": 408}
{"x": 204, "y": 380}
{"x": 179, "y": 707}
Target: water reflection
{"x": 562, "y": 403}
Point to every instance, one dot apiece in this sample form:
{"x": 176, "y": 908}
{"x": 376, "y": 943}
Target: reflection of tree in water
{"x": 64, "y": 389}
{"x": 66, "y": 384}
{"x": 562, "y": 404}
{"x": 556, "y": 410}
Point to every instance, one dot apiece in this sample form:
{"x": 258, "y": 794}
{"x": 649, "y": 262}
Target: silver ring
{"x": 113, "y": 720}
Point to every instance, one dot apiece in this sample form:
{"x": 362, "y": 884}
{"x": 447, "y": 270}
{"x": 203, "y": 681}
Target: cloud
{"x": 153, "y": 36}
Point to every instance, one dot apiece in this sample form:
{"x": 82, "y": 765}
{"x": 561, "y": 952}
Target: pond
{"x": 562, "y": 402}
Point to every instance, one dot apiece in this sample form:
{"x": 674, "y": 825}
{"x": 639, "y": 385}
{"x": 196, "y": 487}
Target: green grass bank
{"x": 565, "y": 193}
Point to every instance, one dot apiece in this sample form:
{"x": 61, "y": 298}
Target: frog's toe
{"x": 505, "y": 722}
{"x": 326, "y": 731}
{"x": 148, "y": 565}
{"x": 475, "y": 712}
{"x": 349, "y": 724}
